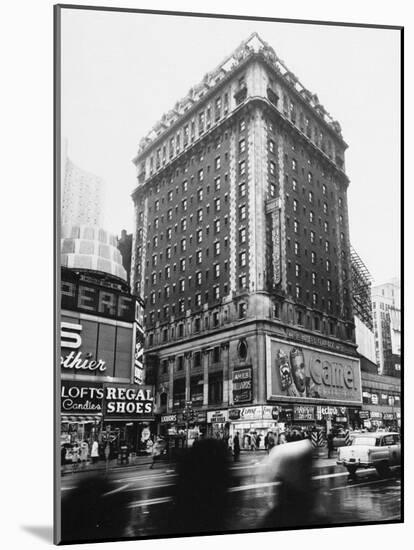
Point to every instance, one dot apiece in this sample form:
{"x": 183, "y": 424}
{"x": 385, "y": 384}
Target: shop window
{"x": 196, "y": 390}
{"x": 179, "y": 393}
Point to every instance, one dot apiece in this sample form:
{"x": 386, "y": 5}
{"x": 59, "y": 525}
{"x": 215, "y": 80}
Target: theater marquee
{"x": 299, "y": 372}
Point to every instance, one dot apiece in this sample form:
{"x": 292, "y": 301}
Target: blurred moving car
{"x": 372, "y": 449}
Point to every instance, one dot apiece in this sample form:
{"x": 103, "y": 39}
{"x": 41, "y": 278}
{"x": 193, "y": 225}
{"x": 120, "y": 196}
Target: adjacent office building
{"x": 386, "y": 303}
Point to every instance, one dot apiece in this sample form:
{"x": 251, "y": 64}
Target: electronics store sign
{"x": 299, "y": 372}
{"x": 128, "y": 401}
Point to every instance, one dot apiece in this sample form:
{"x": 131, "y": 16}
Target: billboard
{"x": 96, "y": 348}
{"x": 128, "y": 402}
{"x": 299, "y": 372}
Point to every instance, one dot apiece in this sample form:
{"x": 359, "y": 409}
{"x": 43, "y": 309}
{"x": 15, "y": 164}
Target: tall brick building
{"x": 241, "y": 250}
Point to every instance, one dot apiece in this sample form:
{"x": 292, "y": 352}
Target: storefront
{"x": 218, "y": 424}
{"x": 251, "y": 422}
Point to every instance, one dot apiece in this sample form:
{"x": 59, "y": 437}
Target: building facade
{"x": 124, "y": 244}
{"x": 386, "y": 303}
{"x": 241, "y": 251}
{"x": 82, "y": 194}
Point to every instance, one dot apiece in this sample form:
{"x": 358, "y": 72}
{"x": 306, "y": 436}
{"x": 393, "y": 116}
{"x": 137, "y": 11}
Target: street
{"x": 142, "y": 498}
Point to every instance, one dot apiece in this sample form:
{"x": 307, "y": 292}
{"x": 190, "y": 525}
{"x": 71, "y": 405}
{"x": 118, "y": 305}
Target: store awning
{"x": 81, "y": 418}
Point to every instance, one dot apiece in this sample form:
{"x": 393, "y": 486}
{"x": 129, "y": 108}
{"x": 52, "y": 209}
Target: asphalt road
{"x": 139, "y": 500}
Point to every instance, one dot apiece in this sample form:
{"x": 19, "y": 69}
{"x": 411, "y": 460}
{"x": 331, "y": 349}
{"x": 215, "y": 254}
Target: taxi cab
{"x": 378, "y": 450}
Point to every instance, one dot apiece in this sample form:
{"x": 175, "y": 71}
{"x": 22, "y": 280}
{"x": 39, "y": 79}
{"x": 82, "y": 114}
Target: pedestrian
{"x": 253, "y": 442}
{"x": 156, "y": 451}
{"x": 266, "y": 442}
{"x": 282, "y": 438}
{"x": 84, "y": 453}
{"x": 270, "y": 441}
{"x": 95, "y": 452}
{"x": 330, "y": 443}
{"x": 75, "y": 456}
{"x": 236, "y": 447}
{"x": 258, "y": 441}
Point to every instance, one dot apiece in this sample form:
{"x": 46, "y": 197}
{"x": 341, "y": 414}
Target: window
{"x": 156, "y": 223}
{"x": 328, "y": 285}
{"x": 295, "y": 205}
{"x": 242, "y": 259}
{"x": 314, "y": 299}
{"x": 199, "y": 256}
{"x": 272, "y": 190}
{"x": 294, "y": 185}
{"x": 242, "y": 146}
{"x": 342, "y": 237}
{"x": 326, "y": 227}
{"x": 216, "y": 271}
{"x": 217, "y": 226}
{"x": 316, "y": 323}
{"x": 217, "y": 248}
{"x": 217, "y": 205}
{"x": 215, "y": 388}
{"x": 313, "y": 257}
{"x": 217, "y": 184}
{"x": 296, "y": 248}
{"x": 271, "y": 146}
{"x": 323, "y": 189}
{"x": 328, "y": 265}
{"x": 242, "y": 281}
{"x": 297, "y": 291}
{"x": 155, "y": 241}
{"x": 341, "y": 219}
{"x": 198, "y": 278}
{"x": 154, "y": 259}
{"x": 242, "y": 168}
{"x": 167, "y": 272}
{"x": 297, "y": 270}
{"x": 182, "y": 264}
{"x": 310, "y": 196}
{"x": 311, "y": 216}
{"x": 310, "y": 177}
{"x": 326, "y": 246}
{"x": 294, "y": 165}
{"x": 242, "y": 310}
{"x": 200, "y": 215}
{"x": 242, "y": 212}
{"x": 242, "y": 235}
{"x": 184, "y": 204}
{"x": 201, "y": 175}
{"x": 242, "y": 189}
{"x": 216, "y": 320}
{"x": 216, "y": 292}
{"x": 183, "y": 245}
{"x": 312, "y": 236}
{"x": 272, "y": 168}
{"x": 199, "y": 235}
{"x": 242, "y": 125}
{"x": 168, "y": 253}
{"x": 340, "y": 202}
{"x": 217, "y": 163}
{"x": 313, "y": 278}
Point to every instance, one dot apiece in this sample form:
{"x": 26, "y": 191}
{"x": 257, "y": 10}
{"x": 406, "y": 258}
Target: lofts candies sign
{"x": 128, "y": 401}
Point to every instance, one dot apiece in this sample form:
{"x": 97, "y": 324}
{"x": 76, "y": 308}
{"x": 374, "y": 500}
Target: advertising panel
{"x": 217, "y": 416}
{"x": 242, "y": 385}
{"x": 83, "y": 294}
{"x": 95, "y": 348}
{"x": 301, "y": 372}
{"x": 128, "y": 402}
{"x": 81, "y": 397}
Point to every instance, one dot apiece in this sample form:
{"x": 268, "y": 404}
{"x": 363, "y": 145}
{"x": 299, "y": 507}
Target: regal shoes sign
{"x": 128, "y": 402}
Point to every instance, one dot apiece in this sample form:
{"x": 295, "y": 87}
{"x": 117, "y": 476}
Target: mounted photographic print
{"x": 228, "y": 294}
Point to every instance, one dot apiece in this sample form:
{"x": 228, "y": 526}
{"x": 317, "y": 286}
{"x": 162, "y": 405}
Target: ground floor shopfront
{"x": 113, "y": 414}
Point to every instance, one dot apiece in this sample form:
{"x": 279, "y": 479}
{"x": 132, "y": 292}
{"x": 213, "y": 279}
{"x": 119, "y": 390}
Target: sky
{"x": 122, "y": 71}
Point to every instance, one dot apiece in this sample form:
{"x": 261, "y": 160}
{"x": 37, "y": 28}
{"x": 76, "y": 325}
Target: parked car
{"x": 379, "y": 450}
